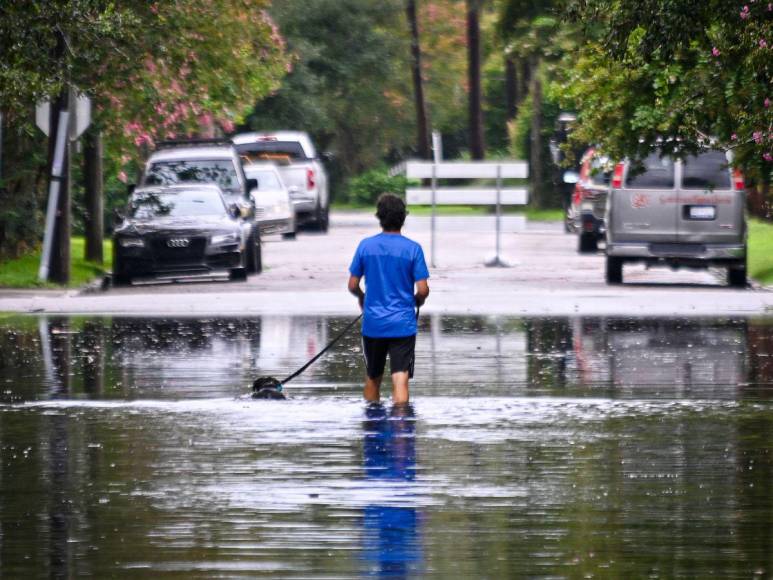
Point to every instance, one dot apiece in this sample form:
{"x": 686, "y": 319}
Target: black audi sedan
{"x": 179, "y": 231}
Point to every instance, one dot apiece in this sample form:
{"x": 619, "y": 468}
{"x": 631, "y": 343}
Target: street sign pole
{"x": 437, "y": 153}
{"x": 497, "y": 261}
{"x": 55, "y": 184}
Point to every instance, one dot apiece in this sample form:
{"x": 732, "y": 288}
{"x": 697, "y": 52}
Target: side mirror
{"x": 251, "y": 184}
{"x": 234, "y": 211}
{"x": 571, "y": 177}
{"x": 130, "y": 188}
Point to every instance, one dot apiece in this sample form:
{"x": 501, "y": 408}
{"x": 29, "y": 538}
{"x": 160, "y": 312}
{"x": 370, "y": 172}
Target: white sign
{"x": 466, "y": 196}
{"x": 468, "y": 170}
{"x": 81, "y": 111}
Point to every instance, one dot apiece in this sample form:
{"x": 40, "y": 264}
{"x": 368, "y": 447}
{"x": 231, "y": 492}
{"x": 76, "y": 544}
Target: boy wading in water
{"x": 392, "y": 266}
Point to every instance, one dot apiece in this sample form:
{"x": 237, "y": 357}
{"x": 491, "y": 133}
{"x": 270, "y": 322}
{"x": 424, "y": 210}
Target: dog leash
{"x": 323, "y": 351}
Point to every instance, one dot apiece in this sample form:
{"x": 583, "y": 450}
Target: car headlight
{"x": 131, "y": 243}
{"x": 231, "y": 238}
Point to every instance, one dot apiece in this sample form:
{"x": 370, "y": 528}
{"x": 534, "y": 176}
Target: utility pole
{"x": 93, "y": 153}
{"x": 422, "y": 125}
{"x": 473, "y": 69}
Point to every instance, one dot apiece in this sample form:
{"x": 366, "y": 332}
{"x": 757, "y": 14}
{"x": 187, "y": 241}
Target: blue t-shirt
{"x": 391, "y": 264}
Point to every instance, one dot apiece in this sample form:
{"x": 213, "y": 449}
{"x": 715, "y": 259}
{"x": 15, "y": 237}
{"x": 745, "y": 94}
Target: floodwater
{"x": 534, "y": 447}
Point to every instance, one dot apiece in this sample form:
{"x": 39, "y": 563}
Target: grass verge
{"x": 760, "y": 264}
{"x": 23, "y": 272}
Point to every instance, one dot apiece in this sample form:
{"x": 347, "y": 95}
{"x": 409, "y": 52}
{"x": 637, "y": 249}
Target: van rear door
{"x": 709, "y": 210}
{"x": 639, "y": 212}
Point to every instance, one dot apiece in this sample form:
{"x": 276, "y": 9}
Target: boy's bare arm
{"x": 422, "y": 291}
{"x": 354, "y": 288}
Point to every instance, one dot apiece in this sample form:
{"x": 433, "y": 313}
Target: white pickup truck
{"x": 301, "y": 169}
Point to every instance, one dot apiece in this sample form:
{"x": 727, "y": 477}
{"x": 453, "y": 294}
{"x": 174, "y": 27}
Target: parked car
{"x": 300, "y": 167}
{"x": 212, "y": 161}
{"x": 585, "y": 214}
{"x": 181, "y": 230}
{"x": 273, "y": 208}
{"x": 677, "y": 213}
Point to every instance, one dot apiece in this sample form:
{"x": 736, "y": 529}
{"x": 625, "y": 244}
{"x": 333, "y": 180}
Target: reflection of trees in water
{"x": 548, "y": 343}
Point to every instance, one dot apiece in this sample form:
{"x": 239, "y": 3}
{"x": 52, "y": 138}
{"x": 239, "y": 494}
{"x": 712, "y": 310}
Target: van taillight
{"x": 310, "y": 179}
{"x": 617, "y": 176}
{"x": 738, "y": 183}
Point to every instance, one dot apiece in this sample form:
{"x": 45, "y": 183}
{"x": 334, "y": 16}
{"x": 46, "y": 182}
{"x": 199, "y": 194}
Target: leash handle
{"x": 323, "y": 351}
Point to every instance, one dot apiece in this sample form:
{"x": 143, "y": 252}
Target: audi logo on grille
{"x": 178, "y": 242}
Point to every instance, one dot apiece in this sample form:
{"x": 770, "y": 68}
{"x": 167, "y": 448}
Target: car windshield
{"x": 154, "y": 204}
{"x": 655, "y": 172}
{"x": 267, "y": 179}
{"x": 221, "y": 172}
{"x": 706, "y": 171}
{"x": 276, "y": 150}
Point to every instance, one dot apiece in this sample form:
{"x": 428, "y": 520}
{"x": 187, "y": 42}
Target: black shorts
{"x": 400, "y": 351}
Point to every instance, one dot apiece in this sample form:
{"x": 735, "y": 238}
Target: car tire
{"x": 736, "y": 276}
{"x": 121, "y": 280}
{"x": 322, "y": 218}
{"x": 614, "y": 270}
{"x": 254, "y": 253}
{"x": 587, "y": 243}
{"x": 237, "y": 274}
{"x": 288, "y": 236}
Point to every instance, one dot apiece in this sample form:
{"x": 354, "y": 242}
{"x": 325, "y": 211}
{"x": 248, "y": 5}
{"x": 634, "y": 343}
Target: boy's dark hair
{"x": 390, "y": 211}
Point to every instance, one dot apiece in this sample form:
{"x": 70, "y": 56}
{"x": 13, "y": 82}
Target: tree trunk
{"x": 59, "y": 262}
{"x": 511, "y": 88}
{"x": 477, "y": 148}
{"x": 92, "y": 172}
{"x": 522, "y": 85}
{"x": 535, "y": 169}
{"x": 422, "y": 125}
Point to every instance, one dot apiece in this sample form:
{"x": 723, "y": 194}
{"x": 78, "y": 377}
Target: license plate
{"x": 703, "y": 212}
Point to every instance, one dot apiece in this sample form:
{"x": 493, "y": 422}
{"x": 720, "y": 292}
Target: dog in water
{"x": 267, "y": 388}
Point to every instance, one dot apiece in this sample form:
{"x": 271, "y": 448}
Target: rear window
{"x": 706, "y": 171}
{"x": 267, "y": 179}
{"x": 217, "y": 171}
{"x": 599, "y": 171}
{"x": 272, "y": 150}
{"x": 655, "y": 172}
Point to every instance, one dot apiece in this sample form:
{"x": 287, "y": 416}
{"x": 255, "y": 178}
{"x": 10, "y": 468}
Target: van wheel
{"x": 736, "y": 277}
{"x": 237, "y": 274}
{"x": 254, "y": 254}
{"x": 614, "y": 270}
{"x": 587, "y": 243}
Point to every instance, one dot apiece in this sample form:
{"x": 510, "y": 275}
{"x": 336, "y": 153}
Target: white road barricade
{"x": 497, "y": 195}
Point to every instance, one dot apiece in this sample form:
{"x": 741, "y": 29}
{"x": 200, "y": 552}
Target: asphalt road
{"x": 546, "y": 276}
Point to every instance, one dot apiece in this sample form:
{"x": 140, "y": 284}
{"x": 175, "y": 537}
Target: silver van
{"x": 677, "y": 213}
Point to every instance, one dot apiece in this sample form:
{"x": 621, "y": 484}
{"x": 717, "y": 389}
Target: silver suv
{"x": 677, "y": 213}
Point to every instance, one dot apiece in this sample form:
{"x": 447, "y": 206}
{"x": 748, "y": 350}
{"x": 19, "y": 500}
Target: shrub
{"x": 365, "y": 188}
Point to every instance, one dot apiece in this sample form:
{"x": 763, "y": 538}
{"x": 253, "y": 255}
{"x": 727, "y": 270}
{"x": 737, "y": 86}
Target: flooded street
{"x": 550, "y": 447}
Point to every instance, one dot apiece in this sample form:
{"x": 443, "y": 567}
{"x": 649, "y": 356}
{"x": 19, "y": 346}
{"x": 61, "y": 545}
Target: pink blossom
{"x": 757, "y": 136}
{"x": 154, "y": 8}
{"x": 767, "y": 157}
{"x": 763, "y": 43}
{"x": 227, "y": 125}
{"x": 150, "y": 65}
{"x": 770, "y": 6}
{"x": 122, "y": 177}
{"x": 715, "y": 51}
{"x": 766, "y": 102}
{"x": 733, "y": 137}
{"x": 745, "y": 13}
{"x": 205, "y": 119}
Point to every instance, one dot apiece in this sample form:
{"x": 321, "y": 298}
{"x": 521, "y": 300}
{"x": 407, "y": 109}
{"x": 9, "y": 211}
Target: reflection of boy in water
{"x": 392, "y": 542}
{"x": 392, "y": 265}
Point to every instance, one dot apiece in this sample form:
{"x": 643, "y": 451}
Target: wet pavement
{"x": 549, "y": 447}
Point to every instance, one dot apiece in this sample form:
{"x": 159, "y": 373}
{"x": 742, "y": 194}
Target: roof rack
{"x": 172, "y": 143}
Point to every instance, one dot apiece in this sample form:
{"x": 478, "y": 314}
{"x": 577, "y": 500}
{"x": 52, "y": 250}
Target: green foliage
{"x": 349, "y": 85}
{"x": 364, "y": 189}
{"x": 691, "y": 72}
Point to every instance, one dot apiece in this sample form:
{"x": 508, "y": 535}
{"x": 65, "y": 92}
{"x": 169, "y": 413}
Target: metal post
{"x": 497, "y": 260}
{"x": 53, "y": 193}
{"x": 432, "y": 217}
